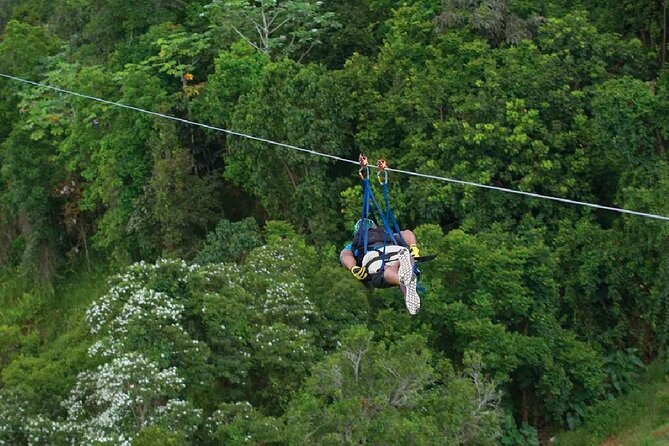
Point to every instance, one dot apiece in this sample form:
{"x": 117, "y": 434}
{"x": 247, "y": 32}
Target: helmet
{"x": 363, "y": 223}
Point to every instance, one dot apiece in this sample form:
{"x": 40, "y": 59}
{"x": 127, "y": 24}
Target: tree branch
{"x": 246, "y": 38}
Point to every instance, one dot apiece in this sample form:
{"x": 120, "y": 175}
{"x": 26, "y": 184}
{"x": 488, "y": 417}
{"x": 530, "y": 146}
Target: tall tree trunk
{"x": 84, "y": 240}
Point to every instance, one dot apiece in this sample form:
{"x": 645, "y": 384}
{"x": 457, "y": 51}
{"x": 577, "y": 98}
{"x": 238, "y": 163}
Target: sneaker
{"x": 408, "y": 282}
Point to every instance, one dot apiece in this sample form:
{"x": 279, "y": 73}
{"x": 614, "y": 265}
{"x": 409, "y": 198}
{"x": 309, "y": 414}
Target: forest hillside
{"x": 166, "y": 283}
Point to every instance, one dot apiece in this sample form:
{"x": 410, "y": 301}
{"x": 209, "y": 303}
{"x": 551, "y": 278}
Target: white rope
{"x": 532, "y": 194}
{"x": 174, "y": 118}
{"x": 327, "y": 155}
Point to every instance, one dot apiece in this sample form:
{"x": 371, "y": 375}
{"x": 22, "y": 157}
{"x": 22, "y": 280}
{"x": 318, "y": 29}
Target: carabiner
{"x": 364, "y": 166}
{"x": 382, "y": 165}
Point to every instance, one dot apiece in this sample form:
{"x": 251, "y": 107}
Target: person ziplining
{"x": 382, "y": 256}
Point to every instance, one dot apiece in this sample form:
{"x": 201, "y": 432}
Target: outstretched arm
{"x": 347, "y": 259}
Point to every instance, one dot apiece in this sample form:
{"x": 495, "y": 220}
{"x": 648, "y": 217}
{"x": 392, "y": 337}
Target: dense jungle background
{"x": 165, "y": 284}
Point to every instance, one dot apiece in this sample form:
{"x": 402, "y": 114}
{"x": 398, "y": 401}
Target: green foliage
{"x": 230, "y": 242}
{"x": 639, "y": 417}
{"x": 156, "y": 436}
{"x": 274, "y": 27}
{"x": 112, "y": 22}
{"x": 623, "y": 369}
{"x": 498, "y": 297}
{"x": 177, "y": 205}
{"x": 367, "y": 392}
{"x": 525, "y": 435}
{"x": 626, "y": 119}
{"x": 10, "y": 343}
{"x": 180, "y": 53}
{"x": 561, "y": 303}
{"x": 24, "y": 49}
{"x": 289, "y": 185}
{"x": 43, "y": 379}
{"x": 239, "y": 423}
{"x": 494, "y": 20}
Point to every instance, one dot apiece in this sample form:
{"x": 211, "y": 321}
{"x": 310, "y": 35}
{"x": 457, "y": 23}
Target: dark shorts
{"x": 374, "y": 261}
{"x": 377, "y": 280}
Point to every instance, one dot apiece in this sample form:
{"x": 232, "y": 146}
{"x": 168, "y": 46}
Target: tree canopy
{"x": 226, "y": 318}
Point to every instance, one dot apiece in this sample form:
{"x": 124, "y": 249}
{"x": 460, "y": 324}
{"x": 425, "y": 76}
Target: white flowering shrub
{"x": 124, "y": 312}
{"x": 145, "y": 311}
{"x": 287, "y": 301}
{"x": 275, "y": 275}
{"x": 246, "y": 329}
{"x": 179, "y": 415}
{"x": 147, "y": 328}
{"x": 282, "y": 356}
{"x": 44, "y": 432}
{"x": 282, "y": 346}
{"x": 20, "y": 425}
{"x": 111, "y": 404}
{"x": 171, "y": 340}
{"x": 213, "y": 277}
{"x": 12, "y": 418}
{"x": 225, "y": 326}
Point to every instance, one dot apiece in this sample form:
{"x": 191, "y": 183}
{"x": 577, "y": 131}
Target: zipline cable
{"x": 531, "y": 194}
{"x": 174, "y": 118}
{"x": 337, "y": 158}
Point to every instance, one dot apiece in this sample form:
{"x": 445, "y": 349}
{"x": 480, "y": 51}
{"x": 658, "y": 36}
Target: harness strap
{"x": 366, "y": 192}
{"x": 391, "y": 214}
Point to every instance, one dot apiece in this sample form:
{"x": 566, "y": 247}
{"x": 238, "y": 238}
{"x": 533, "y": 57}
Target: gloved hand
{"x": 359, "y": 272}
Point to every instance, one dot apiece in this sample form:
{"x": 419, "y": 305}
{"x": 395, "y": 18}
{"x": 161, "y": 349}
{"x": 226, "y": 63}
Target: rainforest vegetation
{"x": 167, "y": 284}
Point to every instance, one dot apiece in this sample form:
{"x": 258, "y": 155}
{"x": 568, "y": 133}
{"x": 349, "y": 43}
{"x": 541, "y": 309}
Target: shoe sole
{"x": 408, "y": 283}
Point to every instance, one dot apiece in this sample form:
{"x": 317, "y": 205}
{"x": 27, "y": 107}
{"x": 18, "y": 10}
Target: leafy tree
{"x": 25, "y": 180}
{"x": 625, "y": 119}
{"x": 359, "y": 30}
{"x": 113, "y": 21}
{"x": 643, "y": 20}
{"x": 290, "y": 185}
{"x": 499, "y": 298}
{"x": 120, "y": 166}
{"x": 113, "y": 403}
{"x": 237, "y": 72}
{"x": 492, "y": 19}
{"x": 10, "y": 343}
{"x": 367, "y": 392}
{"x": 275, "y": 27}
{"x": 5, "y": 13}
{"x": 230, "y": 242}
{"x": 24, "y": 49}
{"x": 179, "y": 53}
{"x": 161, "y": 215}
{"x": 240, "y": 423}
{"x": 26, "y": 164}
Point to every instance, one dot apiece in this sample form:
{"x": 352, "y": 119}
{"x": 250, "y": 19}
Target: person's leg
{"x": 392, "y": 267}
{"x": 409, "y": 237}
{"x": 391, "y": 273}
{"x": 408, "y": 282}
{"x": 401, "y": 262}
